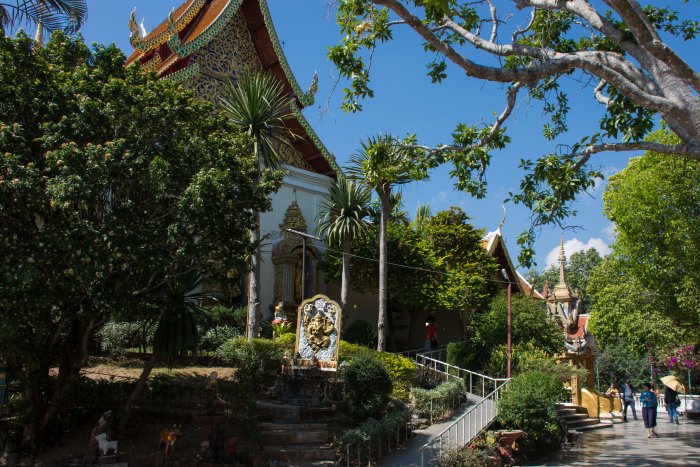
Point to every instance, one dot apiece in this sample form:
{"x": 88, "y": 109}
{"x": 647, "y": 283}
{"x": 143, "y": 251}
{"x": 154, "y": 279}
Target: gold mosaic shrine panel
{"x": 229, "y": 55}
{"x": 318, "y": 333}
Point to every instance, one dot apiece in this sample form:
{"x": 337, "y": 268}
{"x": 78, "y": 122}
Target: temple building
{"x": 206, "y": 42}
{"x": 580, "y": 350}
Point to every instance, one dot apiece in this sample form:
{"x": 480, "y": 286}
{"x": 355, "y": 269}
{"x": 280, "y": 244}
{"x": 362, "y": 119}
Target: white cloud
{"x": 609, "y": 231}
{"x": 574, "y": 245}
{"x": 440, "y": 198}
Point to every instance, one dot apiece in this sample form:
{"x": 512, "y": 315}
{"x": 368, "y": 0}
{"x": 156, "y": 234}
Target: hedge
{"x": 440, "y": 401}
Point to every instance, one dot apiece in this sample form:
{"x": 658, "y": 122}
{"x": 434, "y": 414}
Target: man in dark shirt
{"x": 670, "y": 398}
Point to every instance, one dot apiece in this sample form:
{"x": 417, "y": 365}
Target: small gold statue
{"x": 318, "y": 332}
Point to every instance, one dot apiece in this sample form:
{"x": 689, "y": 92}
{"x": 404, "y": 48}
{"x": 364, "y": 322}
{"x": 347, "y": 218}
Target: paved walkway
{"x": 627, "y": 444}
{"x": 410, "y": 454}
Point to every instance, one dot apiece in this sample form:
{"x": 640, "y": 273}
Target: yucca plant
{"x": 342, "y": 217}
{"x": 176, "y": 334}
{"x": 382, "y": 162}
{"x": 258, "y": 105}
{"x": 52, "y": 15}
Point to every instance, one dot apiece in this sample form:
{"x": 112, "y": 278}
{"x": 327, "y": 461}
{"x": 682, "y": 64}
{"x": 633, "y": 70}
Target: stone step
{"x": 299, "y": 452}
{"x": 580, "y": 424}
{"x": 290, "y": 437}
{"x": 302, "y": 464}
{"x": 594, "y": 427}
{"x": 573, "y": 417}
{"x": 279, "y": 411}
{"x": 271, "y": 426}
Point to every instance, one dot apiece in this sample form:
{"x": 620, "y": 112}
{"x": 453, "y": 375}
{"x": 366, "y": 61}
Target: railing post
{"x": 348, "y": 455}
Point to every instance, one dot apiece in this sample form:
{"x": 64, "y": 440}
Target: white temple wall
{"x": 309, "y": 190}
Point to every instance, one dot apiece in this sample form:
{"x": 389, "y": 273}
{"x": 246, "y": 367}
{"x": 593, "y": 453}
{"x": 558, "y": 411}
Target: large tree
{"x": 113, "y": 184}
{"x": 618, "y": 48}
{"x": 653, "y": 275}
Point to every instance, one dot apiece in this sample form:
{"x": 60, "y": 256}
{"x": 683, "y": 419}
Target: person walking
{"x": 431, "y": 337}
{"x": 670, "y": 398}
{"x": 649, "y": 404}
{"x": 627, "y": 396}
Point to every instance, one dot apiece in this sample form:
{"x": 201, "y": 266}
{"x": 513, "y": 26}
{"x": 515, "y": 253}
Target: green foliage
{"x": 460, "y": 457}
{"x": 116, "y": 337}
{"x": 215, "y": 337}
{"x": 651, "y": 282}
{"x": 372, "y": 429}
{"x": 257, "y": 363}
{"x": 462, "y": 354}
{"x": 617, "y": 364}
{"x": 440, "y": 401}
{"x": 529, "y": 404}
{"x": 343, "y": 212}
{"x": 367, "y": 387}
{"x": 68, "y": 15}
{"x": 401, "y": 370}
{"x": 361, "y": 332}
{"x": 112, "y": 184}
{"x": 527, "y": 357}
{"x": 530, "y": 325}
{"x": 281, "y": 328}
{"x": 559, "y": 41}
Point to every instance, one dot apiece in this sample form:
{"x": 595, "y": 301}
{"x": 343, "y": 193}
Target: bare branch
{"x": 598, "y": 91}
{"x": 679, "y": 149}
{"x": 519, "y": 32}
{"x": 494, "y": 28}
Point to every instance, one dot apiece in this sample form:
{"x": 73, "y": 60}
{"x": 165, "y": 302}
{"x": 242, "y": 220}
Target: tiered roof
{"x": 168, "y": 50}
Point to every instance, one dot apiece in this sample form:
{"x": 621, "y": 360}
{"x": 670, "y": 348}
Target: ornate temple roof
{"x": 169, "y": 51}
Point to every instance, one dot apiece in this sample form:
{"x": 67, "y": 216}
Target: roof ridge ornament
{"x": 136, "y": 33}
{"x": 503, "y": 221}
{"x": 310, "y": 95}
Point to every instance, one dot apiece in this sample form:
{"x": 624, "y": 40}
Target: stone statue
{"x": 318, "y": 331}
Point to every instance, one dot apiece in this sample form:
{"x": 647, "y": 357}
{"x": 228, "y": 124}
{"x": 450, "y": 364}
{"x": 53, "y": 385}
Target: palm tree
{"x": 258, "y": 105}
{"x": 341, "y": 218}
{"x": 176, "y": 333}
{"x": 421, "y": 217}
{"x": 52, "y": 15}
{"x": 382, "y": 162}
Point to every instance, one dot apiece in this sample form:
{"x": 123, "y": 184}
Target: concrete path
{"x": 410, "y": 454}
{"x": 627, "y": 444}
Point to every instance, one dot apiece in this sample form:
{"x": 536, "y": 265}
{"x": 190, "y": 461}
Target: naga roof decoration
{"x": 168, "y": 51}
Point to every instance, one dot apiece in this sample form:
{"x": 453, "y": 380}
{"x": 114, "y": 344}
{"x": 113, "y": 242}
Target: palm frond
{"x": 258, "y": 105}
{"x": 68, "y": 15}
{"x": 344, "y": 211}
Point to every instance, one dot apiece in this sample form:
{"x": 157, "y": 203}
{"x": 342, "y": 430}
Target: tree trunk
{"x": 384, "y": 193}
{"x": 253, "y": 282}
{"x": 345, "y": 279}
{"x": 136, "y": 393}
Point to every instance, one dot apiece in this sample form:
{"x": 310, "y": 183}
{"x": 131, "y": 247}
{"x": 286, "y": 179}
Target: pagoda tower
{"x": 564, "y": 305}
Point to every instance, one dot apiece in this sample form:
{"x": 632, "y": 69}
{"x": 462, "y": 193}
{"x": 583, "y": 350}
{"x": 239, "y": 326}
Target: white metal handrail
{"x": 466, "y": 427}
{"x": 469, "y": 377}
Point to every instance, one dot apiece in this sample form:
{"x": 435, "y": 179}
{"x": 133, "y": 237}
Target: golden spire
{"x": 562, "y": 261}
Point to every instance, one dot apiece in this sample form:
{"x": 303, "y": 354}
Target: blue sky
{"x": 406, "y": 102}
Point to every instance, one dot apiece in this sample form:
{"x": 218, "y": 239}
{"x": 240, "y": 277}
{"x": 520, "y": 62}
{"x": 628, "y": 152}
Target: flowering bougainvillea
{"x": 681, "y": 359}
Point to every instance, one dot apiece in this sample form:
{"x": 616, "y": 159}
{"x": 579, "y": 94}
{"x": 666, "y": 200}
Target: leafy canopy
{"x": 616, "y": 49}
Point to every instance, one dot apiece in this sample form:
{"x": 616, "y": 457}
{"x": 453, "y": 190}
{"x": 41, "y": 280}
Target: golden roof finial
{"x": 562, "y": 261}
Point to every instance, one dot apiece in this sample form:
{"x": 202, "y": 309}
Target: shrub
{"x": 117, "y": 337}
{"x": 361, "y": 332}
{"x": 371, "y": 430}
{"x": 401, "y": 370}
{"x": 287, "y": 341}
{"x": 367, "y": 387}
{"x": 461, "y": 354}
{"x": 215, "y": 337}
{"x": 464, "y": 456}
{"x": 257, "y": 363}
{"x": 529, "y": 404}
{"x": 440, "y": 401}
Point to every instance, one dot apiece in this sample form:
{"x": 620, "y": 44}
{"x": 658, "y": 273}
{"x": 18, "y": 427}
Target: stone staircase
{"x": 576, "y": 418}
{"x": 298, "y": 427}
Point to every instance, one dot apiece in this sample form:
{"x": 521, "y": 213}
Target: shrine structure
{"x": 564, "y": 305}
{"x": 203, "y": 44}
